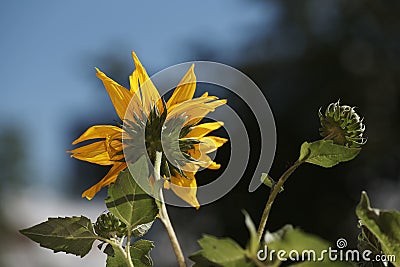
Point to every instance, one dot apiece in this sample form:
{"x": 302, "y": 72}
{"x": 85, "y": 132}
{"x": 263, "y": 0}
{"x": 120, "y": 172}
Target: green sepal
{"x": 326, "y": 154}
{"x": 127, "y": 200}
{"x": 74, "y": 235}
{"x": 268, "y": 181}
{"x": 384, "y": 225}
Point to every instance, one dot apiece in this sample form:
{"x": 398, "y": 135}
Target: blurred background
{"x": 302, "y": 54}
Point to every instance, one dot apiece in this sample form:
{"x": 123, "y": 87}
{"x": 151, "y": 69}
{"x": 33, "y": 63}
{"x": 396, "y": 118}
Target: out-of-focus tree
{"x": 307, "y": 54}
{"x": 13, "y": 159}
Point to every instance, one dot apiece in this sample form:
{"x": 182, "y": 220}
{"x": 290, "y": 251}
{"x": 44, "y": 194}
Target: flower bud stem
{"x": 274, "y": 192}
{"x": 164, "y": 215}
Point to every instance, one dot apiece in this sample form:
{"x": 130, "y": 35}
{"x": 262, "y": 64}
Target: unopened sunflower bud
{"x": 343, "y": 125}
{"x": 107, "y": 226}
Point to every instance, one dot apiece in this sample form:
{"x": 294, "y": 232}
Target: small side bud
{"x": 342, "y": 125}
{"x": 109, "y": 226}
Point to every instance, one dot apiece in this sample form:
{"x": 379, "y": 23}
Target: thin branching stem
{"x": 274, "y": 192}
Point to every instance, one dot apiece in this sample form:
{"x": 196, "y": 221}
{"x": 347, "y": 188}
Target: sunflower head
{"x": 152, "y": 125}
{"x": 167, "y": 135}
{"x": 108, "y": 226}
{"x": 343, "y": 125}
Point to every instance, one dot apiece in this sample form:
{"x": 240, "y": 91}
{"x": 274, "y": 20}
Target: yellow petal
{"x": 98, "y": 131}
{"x": 195, "y": 109}
{"x": 135, "y": 105}
{"x": 150, "y": 95}
{"x": 120, "y": 96}
{"x": 203, "y": 160}
{"x": 185, "y": 188}
{"x": 217, "y": 142}
{"x": 210, "y": 107}
{"x": 207, "y": 145}
{"x": 95, "y": 153}
{"x": 110, "y": 177}
{"x": 185, "y": 89}
{"x": 204, "y": 129}
{"x": 134, "y": 82}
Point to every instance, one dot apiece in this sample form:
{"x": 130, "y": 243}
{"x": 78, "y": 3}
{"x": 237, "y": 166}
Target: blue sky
{"x": 49, "y": 47}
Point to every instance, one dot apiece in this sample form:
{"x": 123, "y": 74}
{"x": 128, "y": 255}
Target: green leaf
{"x": 109, "y": 250}
{"x": 127, "y": 200}
{"x": 268, "y": 181}
{"x": 383, "y": 224}
{"x": 201, "y": 261}
{"x": 253, "y": 243}
{"x": 116, "y": 260}
{"x": 324, "y": 264}
{"x": 140, "y": 253}
{"x": 277, "y": 236}
{"x": 326, "y": 154}
{"x": 367, "y": 241}
{"x": 221, "y": 252}
{"x": 293, "y": 239}
{"x": 73, "y": 235}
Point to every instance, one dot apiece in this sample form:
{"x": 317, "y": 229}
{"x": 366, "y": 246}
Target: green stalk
{"x": 164, "y": 215}
{"x": 128, "y": 248}
{"x": 274, "y": 192}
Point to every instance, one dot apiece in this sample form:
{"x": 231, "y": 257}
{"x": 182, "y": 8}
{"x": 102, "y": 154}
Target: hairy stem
{"x": 274, "y": 192}
{"x": 164, "y": 215}
{"x": 128, "y": 248}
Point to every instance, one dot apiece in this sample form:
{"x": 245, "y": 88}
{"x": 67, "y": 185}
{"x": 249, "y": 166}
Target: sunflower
{"x": 141, "y": 108}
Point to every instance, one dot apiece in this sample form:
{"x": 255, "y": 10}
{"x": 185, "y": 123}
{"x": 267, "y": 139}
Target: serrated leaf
{"x": 127, "y": 200}
{"x": 140, "y": 253}
{"x": 222, "y": 252}
{"x": 268, "y": 181}
{"x": 326, "y": 154}
{"x": 383, "y": 224}
{"x": 73, "y": 235}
